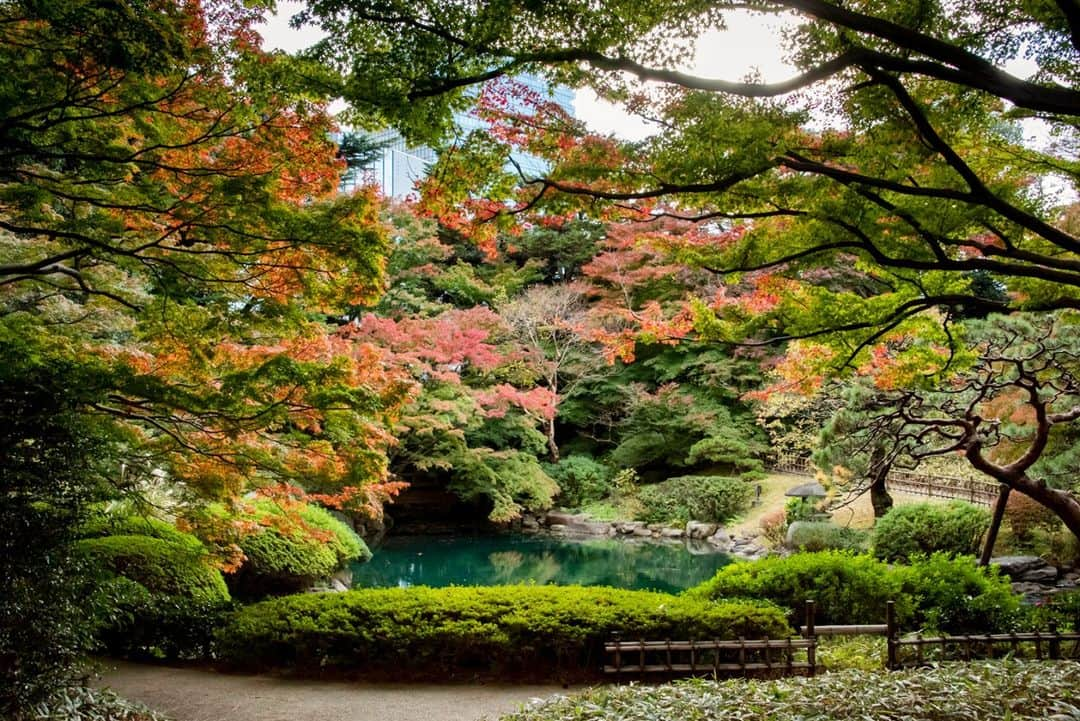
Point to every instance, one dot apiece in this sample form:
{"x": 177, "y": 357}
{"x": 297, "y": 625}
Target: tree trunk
{"x": 995, "y": 525}
{"x": 553, "y": 447}
{"x": 879, "y": 492}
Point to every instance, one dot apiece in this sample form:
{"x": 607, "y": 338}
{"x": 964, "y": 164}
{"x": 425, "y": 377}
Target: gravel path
{"x": 187, "y": 694}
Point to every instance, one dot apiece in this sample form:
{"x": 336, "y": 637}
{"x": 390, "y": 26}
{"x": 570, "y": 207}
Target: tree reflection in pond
{"x": 494, "y": 560}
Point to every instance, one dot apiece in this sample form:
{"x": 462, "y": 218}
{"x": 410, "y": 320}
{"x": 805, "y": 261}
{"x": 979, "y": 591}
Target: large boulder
{"x": 1029, "y": 569}
{"x": 699, "y": 529}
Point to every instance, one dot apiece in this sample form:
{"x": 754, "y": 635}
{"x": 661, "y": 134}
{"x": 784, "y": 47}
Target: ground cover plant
{"x": 547, "y": 632}
{"x": 1019, "y": 691}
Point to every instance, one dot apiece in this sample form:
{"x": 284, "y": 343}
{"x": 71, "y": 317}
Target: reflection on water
{"x": 494, "y": 560}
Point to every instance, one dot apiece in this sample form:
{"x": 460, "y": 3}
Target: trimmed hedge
{"x": 157, "y": 565}
{"x": 714, "y": 499}
{"x": 292, "y": 556}
{"x": 924, "y": 528}
{"x": 158, "y": 595}
{"x": 847, "y": 588}
{"x": 950, "y": 594}
{"x": 526, "y": 631}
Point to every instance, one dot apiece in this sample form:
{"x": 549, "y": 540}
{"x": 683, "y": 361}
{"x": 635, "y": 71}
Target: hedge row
{"x": 524, "y": 631}
{"x": 950, "y": 594}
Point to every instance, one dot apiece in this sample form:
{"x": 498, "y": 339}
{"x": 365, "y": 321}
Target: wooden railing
{"x": 716, "y": 658}
{"x": 922, "y": 484}
{"x": 798, "y": 656}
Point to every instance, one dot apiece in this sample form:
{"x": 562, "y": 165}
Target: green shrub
{"x": 948, "y": 594}
{"x": 129, "y": 524}
{"x": 714, "y": 499}
{"x": 800, "y": 509}
{"x": 157, "y": 597}
{"x": 956, "y": 595}
{"x": 847, "y": 588}
{"x": 538, "y": 631}
{"x": 924, "y": 528}
{"x": 581, "y": 480}
{"x": 814, "y": 536}
{"x": 158, "y": 566}
{"x": 284, "y": 556}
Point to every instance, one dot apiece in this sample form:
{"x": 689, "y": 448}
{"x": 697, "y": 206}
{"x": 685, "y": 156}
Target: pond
{"x": 505, "y": 559}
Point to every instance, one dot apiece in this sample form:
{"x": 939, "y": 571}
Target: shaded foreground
{"x": 186, "y": 694}
{"x": 987, "y": 690}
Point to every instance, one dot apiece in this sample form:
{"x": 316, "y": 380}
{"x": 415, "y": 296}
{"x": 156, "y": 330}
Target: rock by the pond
{"x": 1025, "y": 568}
{"x": 628, "y": 527}
{"x": 793, "y": 528}
{"x": 642, "y": 532}
{"x": 560, "y": 518}
{"x": 672, "y": 533}
{"x": 699, "y": 529}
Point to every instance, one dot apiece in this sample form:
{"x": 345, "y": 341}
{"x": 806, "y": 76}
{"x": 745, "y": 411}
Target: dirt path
{"x": 196, "y": 695}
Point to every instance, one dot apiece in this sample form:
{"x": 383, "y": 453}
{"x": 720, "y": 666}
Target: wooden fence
{"x": 921, "y": 484}
{"x": 798, "y": 656}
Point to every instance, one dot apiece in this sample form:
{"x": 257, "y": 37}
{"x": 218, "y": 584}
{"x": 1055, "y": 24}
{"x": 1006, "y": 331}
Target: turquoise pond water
{"x": 493, "y": 560}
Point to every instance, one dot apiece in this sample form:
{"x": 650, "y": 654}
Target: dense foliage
{"x": 158, "y": 593}
{"x": 993, "y": 689}
{"x": 713, "y": 499}
{"x": 947, "y": 594}
{"x": 548, "y": 632}
{"x": 923, "y": 528}
{"x": 288, "y": 548}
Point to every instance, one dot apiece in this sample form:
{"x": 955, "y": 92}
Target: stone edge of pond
{"x": 712, "y": 535}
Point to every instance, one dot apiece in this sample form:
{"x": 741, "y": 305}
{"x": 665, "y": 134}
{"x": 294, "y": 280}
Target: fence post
{"x": 808, "y": 631}
{"x": 891, "y": 661}
{"x": 1055, "y": 642}
{"x": 617, "y": 638}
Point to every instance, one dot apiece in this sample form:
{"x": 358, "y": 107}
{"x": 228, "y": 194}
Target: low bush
{"x": 822, "y": 536}
{"x": 954, "y": 594}
{"x": 924, "y": 528}
{"x": 939, "y": 592}
{"x": 291, "y": 550}
{"x": 157, "y": 565}
{"x": 581, "y": 480}
{"x": 847, "y": 588}
{"x": 528, "y": 631}
{"x": 988, "y": 690}
{"x": 714, "y": 499}
{"x": 156, "y": 597}
{"x": 130, "y": 524}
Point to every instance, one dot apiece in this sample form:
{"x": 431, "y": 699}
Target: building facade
{"x": 400, "y": 166}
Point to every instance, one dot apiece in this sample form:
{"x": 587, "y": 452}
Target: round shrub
{"x": 939, "y": 592}
{"x": 954, "y": 594}
{"x": 817, "y": 536}
{"x": 156, "y": 597}
{"x": 292, "y": 549}
{"x": 846, "y": 588}
{"x": 129, "y": 524}
{"x": 714, "y": 499}
{"x": 535, "y": 631}
{"x": 924, "y": 528}
{"x": 580, "y": 479}
{"x": 158, "y": 566}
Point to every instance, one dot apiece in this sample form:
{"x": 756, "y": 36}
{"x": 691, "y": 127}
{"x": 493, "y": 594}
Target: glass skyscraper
{"x": 399, "y": 166}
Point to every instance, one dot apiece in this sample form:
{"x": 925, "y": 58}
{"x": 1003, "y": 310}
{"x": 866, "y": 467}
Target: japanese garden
{"x": 375, "y": 360}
